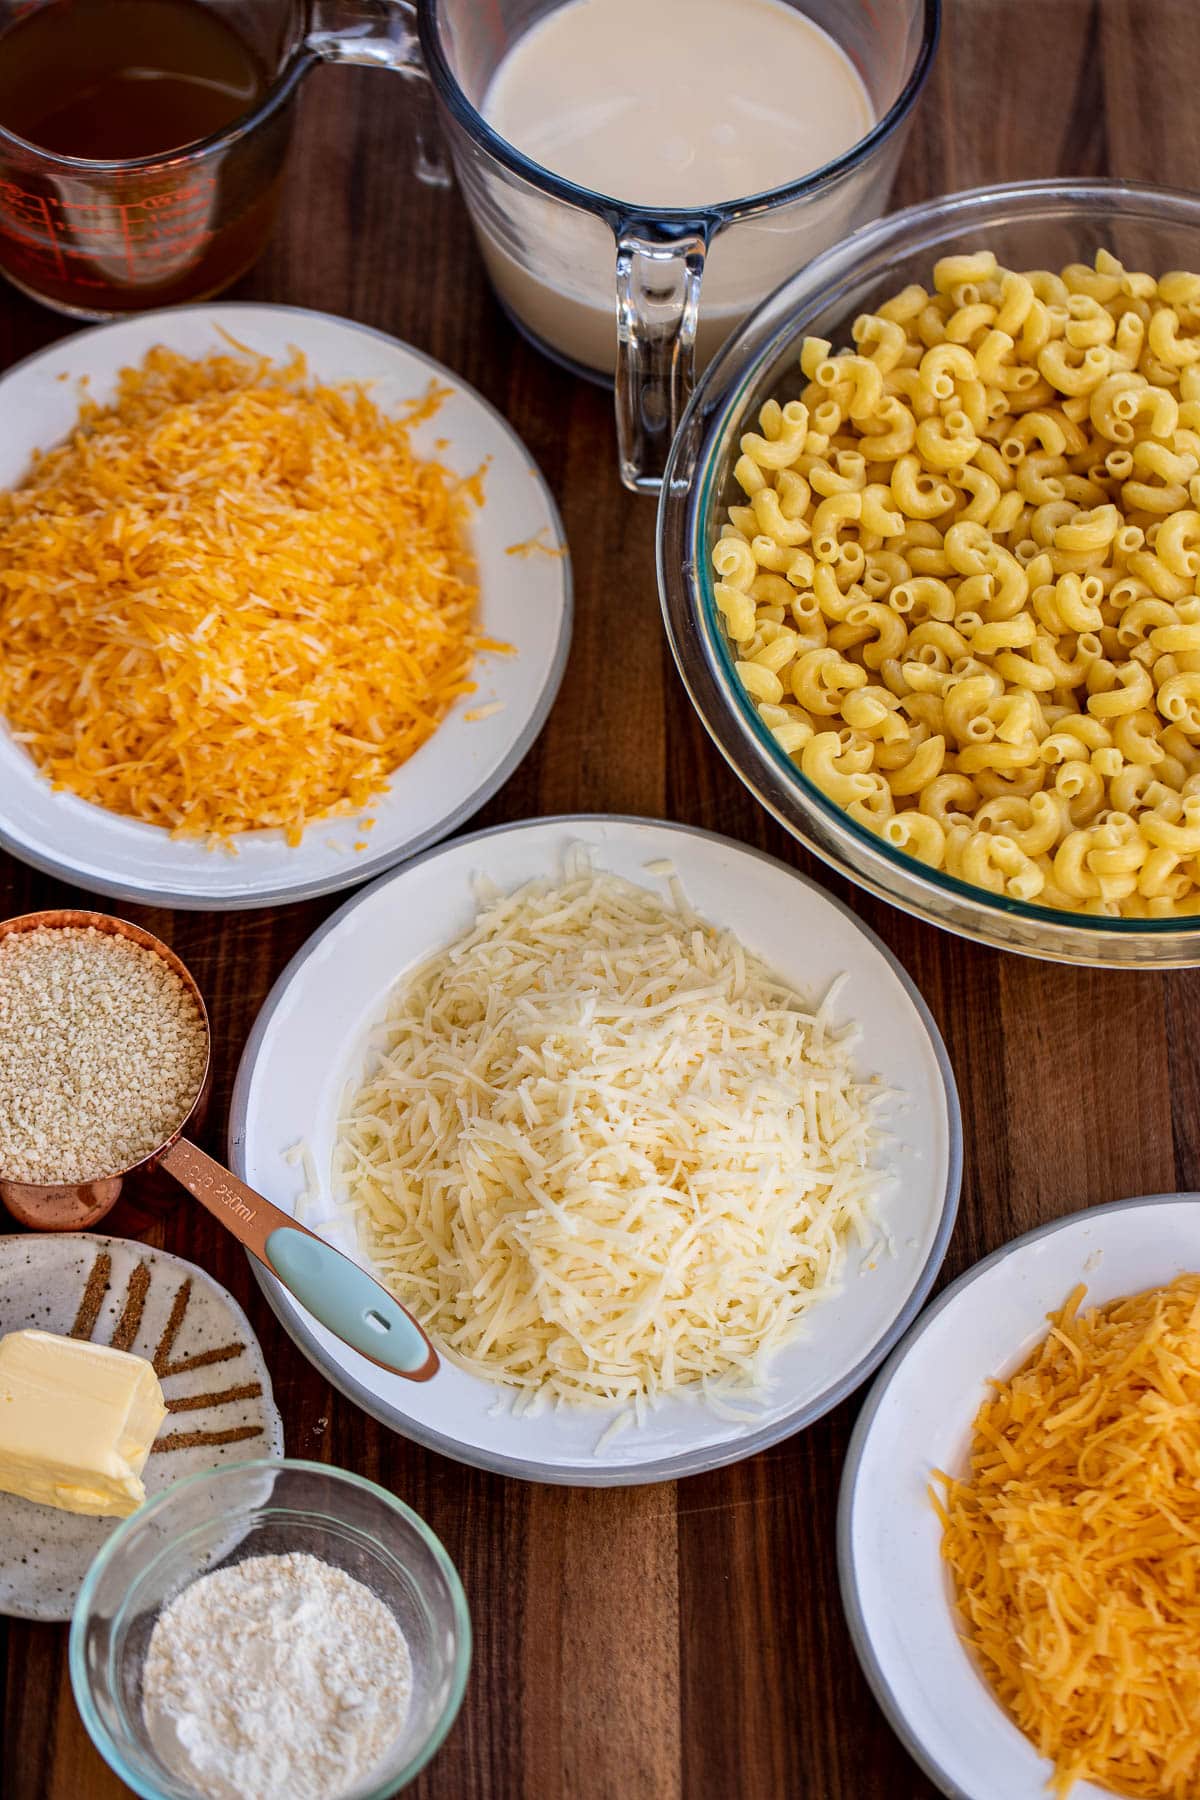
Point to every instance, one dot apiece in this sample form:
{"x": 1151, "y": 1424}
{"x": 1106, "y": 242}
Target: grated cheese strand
{"x": 602, "y": 1151}
{"x": 1075, "y": 1543}
{"x": 234, "y": 598}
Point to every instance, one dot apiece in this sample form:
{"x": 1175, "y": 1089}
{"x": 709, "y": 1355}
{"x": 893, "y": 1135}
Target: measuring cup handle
{"x": 349, "y": 1302}
{"x": 339, "y": 1295}
{"x": 658, "y": 307}
{"x": 382, "y": 34}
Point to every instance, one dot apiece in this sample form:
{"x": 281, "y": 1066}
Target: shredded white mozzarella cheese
{"x": 602, "y": 1152}
{"x": 300, "y": 1155}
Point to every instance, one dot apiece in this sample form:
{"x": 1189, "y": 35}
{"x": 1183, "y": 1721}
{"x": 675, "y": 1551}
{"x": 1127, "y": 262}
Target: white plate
{"x": 227, "y": 1404}
{"x": 918, "y": 1416}
{"x": 525, "y": 601}
{"x": 308, "y": 1039}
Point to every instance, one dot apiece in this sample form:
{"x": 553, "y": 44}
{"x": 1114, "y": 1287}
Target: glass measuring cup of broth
{"x": 142, "y": 142}
{"x": 642, "y": 173}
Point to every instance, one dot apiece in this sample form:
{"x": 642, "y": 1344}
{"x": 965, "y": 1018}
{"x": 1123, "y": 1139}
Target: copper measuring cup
{"x": 340, "y": 1295}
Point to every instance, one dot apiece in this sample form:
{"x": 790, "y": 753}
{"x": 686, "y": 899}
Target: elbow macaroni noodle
{"x": 964, "y": 593}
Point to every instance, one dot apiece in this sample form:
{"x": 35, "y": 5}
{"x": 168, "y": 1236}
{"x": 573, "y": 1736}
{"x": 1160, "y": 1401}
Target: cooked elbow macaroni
{"x": 964, "y": 593}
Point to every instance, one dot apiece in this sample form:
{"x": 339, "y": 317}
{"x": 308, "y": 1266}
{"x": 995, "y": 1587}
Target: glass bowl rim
{"x": 836, "y": 265}
{"x": 98, "y": 1731}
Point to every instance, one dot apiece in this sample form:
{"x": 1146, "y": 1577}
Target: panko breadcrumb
{"x": 102, "y": 1053}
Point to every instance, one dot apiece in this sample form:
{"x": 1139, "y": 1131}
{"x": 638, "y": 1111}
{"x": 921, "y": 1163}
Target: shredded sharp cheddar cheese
{"x": 234, "y": 598}
{"x": 1075, "y": 1543}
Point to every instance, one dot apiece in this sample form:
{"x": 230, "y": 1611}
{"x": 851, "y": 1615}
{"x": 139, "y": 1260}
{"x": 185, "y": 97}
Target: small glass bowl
{"x": 1034, "y": 224}
{"x": 256, "y": 1509}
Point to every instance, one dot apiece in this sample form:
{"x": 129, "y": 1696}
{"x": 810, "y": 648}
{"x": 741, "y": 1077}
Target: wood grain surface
{"x": 677, "y": 1641}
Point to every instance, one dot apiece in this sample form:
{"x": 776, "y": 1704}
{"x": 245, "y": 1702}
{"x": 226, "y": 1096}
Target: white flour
{"x": 280, "y": 1678}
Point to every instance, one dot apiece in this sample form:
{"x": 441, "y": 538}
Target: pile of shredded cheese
{"x": 234, "y": 598}
{"x": 1075, "y": 1543}
{"x": 602, "y": 1152}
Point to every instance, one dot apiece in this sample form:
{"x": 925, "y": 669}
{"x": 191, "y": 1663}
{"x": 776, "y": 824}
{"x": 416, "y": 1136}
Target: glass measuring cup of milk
{"x": 97, "y": 233}
{"x": 614, "y": 287}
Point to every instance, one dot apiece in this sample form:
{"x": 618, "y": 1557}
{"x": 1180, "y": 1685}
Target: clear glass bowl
{"x": 1035, "y": 224}
{"x": 258, "y": 1509}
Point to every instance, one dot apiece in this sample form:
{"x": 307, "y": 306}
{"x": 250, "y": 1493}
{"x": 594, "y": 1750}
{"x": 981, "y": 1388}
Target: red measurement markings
{"x": 151, "y": 232}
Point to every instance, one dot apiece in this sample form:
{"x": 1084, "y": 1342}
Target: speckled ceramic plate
{"x": 213, "y": 1376}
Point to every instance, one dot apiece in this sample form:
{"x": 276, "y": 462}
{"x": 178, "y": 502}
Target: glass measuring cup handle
{"x": 382, "y": 34}
{"x": 658, "y": 307}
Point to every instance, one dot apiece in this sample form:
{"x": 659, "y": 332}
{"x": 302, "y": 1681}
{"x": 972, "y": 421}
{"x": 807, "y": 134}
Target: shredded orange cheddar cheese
{"x": 234, "y": 598}
{"x": 536, "y": 546}
{"x": 1075, "y": 1543}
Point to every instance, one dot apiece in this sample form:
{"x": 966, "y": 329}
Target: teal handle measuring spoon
{"x": 339, "y": 1295}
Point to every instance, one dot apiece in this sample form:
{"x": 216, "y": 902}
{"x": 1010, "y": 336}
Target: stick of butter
{"x": 76, "y": 1423}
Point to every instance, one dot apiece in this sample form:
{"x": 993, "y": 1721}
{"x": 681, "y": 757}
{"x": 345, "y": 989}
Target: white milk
{"x": 666, "y": 103}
